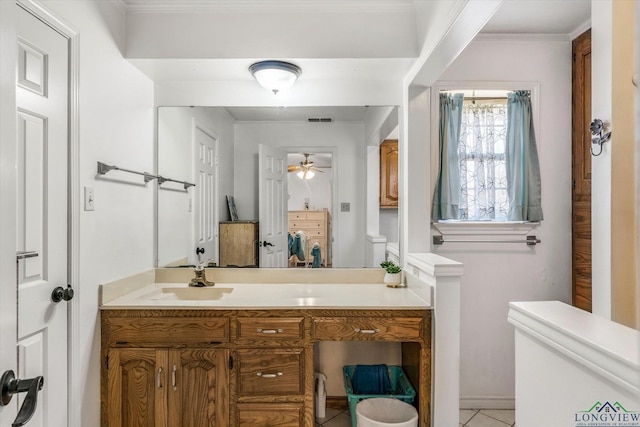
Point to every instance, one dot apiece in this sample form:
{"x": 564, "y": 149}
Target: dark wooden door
{"x": 581, "y": 167}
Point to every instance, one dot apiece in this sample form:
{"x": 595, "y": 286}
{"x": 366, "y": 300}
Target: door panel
{"x": 205, "y": 200}
{"x": 41, "y": 209}
{"x": 581, "y": 170}
{"x": 273, "y": 207}
{"x": 198, "y": 396}
{"x": 137, "y": 388}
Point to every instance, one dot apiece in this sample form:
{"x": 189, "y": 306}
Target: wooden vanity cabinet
{"x": 161, "y": 387}
{"x": 240, "y": 368}
{"x": 274, "y": 375}
{"x": 162, "y": 368}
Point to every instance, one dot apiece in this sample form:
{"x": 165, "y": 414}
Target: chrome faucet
{"x": 200, "y": 280}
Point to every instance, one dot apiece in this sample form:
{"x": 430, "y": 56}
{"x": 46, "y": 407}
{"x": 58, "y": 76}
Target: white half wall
{"x": 574, "y": 368}
{"x": 496, "y": 274}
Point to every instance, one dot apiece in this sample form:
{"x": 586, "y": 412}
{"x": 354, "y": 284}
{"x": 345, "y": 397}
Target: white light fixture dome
{"x": 306, "y": 174}
{"x": 275, "y": 75}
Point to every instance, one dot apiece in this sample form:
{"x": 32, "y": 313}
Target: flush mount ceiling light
{"x": 275, "y": 75}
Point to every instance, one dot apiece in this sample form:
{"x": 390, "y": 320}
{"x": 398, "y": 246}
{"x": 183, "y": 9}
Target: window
{"x": 481, "y": 158}
{"x": 488, "y": 168}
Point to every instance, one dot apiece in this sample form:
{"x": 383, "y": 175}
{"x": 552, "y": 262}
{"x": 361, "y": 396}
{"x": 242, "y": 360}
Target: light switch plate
{"x": 345, "y": 207}
{"x": 89, "y": 200}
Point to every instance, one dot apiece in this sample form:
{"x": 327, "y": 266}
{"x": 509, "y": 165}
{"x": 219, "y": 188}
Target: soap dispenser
{"x": 321, "y": 395}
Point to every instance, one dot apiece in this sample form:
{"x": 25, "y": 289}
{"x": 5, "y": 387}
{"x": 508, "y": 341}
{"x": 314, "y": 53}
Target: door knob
{"x": 265, "y": 244}
{"x": 10, "y": 386}
{"x": 199, "y": 251}
{"x": 61, "y": 293}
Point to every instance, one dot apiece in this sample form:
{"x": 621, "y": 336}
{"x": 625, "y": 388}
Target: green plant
{"x": 390, "y": 266}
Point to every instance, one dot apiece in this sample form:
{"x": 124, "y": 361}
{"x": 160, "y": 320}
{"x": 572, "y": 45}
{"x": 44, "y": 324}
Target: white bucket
{"x": 385, "y": 412}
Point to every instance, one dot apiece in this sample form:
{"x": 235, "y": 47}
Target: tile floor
{"x": 468, "y": 418}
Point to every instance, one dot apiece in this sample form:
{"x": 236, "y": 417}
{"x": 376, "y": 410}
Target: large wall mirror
{"x": 330, "y": 182}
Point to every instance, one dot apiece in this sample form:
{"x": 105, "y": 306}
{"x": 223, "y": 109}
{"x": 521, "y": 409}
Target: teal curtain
{"x": 523, "y": 167}
{"x": 446, "y": 198}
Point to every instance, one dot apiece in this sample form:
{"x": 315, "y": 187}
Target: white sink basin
{"x": 187, "y": 294}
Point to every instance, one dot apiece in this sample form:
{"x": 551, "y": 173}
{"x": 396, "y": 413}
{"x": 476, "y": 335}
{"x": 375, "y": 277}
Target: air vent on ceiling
{"x": 320, "y": 120}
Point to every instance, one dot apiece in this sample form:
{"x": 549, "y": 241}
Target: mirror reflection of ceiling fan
{"x": 306, "y": 169}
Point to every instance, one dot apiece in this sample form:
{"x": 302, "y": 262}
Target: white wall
{"x": 349, "y": 161}
{"x": 495, "y": 274}
{"x": 175, "y": 160}
{"x": 316, "y": 190}
{"x": 601, "y": 81}
{"x": 389, "y": 226}
{"x": 116, "y": 127}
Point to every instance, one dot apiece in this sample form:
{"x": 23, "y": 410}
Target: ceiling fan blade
{"x": 292, "y": 168}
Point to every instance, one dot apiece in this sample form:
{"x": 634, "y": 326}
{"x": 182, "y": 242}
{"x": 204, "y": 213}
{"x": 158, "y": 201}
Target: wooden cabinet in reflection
{"x": 389, "y": 174}
{"x": 239, "y": 244}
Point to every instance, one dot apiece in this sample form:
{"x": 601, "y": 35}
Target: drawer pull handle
{"x": 277, "y": 374}
{"x": 269, "y": 331}
{"x": 173, "y": 377}
{"x": 159, "y": 377}
{"x": 367, "y": 331}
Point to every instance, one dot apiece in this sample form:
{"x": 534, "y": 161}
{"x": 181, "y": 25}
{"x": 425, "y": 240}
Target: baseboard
{"x": 487, "y": 403}
{"x": 338, "y": 402}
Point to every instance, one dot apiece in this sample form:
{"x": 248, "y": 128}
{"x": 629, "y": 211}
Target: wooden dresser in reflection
{"x": 239, "y": 244}
{"x": 317, "y": 227}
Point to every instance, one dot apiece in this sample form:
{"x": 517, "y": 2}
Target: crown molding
{"x": 522, "y": 37}
{"x": 275, "y": 6}
{"x": 580, "y": 29}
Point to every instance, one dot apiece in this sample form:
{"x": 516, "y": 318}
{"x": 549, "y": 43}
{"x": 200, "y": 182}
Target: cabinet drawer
{"x": 306, "y": 225}
{"x": 367, "y": 329}
{"x": 168, "y": 330}
{"x": 315, "y": 215}
{"x": 270, "y": 372}
{"x": 271, "y": 414}
{"x": 297, "y": 215}
{"x": 271, "y": 329}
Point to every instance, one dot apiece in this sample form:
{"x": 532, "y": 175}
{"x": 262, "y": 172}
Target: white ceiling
{"x": 539, "y": 17}
{"x": 324, "y": 62}
{"x": 298, "y": 114}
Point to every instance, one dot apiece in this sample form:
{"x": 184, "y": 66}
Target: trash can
{"x": 385, "y": 412}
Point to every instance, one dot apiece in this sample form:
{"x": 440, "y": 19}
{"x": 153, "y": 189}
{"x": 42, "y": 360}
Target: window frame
{"x": 474, "y": 227}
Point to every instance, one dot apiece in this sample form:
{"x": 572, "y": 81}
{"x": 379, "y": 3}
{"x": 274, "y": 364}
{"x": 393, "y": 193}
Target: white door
{"x": 272, "y": 177}
{"x": 206, "y": 162}
{"x": 41, "y": 213}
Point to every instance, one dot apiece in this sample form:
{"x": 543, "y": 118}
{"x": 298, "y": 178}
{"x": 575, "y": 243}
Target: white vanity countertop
{"x": 226, "y": 296}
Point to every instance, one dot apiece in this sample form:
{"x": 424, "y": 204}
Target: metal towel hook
{"x": 597, "y": 129}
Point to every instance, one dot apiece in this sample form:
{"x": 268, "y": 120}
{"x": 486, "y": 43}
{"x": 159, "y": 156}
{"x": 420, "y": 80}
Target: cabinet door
{"x": 389, "y": 174}
{"x": 137, "y": 388}
{"x": 198, "y": 388}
